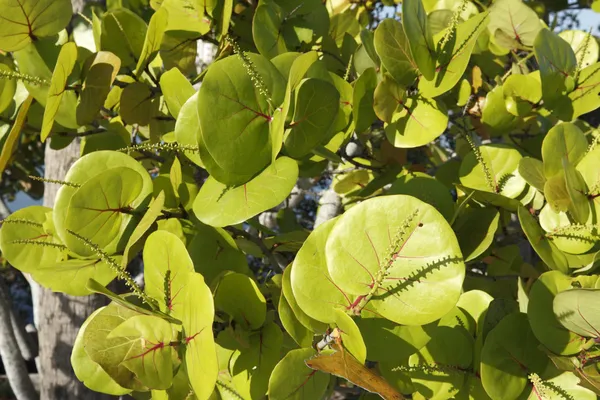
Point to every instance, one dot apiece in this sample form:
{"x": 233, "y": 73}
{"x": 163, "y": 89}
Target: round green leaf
{"x": 418, "y": 121}
{"x": 454, "y": 57}
{"x": 25, "y": 20}
{"x": 30, "y": 223}
{"x": 351, "y": 336}
{"x": 267, "y": 27}
{"x": 362, "y": 100}
{"x": 448, "y": 347}
{"x": 148, "y": 353}
{"x": 252, "y": 366}
{"x": 498, "y": 114}
{"x": 137, "y": 104}
{"x": 200, "y": 355}
{"x": 96, "y": 87}
{"x": 310, "y": 323}
{"x": 475, "y": 229}
{"x": 177, "y": 90}
{"x": 547, "y": 251}
{"x": 563, "y": 140}
{"x": 502, "y": 161}
{"x": 64, "y": 66}
{"x": 123, "y": 33}
{"x": 388, "y": 96}
{"x": 166, "y": 270}
{"x": 532, "y": 170}
{"x": 577, "y": 311}
{"x": 298, "y": 332}
{"x": 235, "y": 116}
{"x": 315, "y": 110}
{"x": 98, "y": 210}
{"x": 584, "y": 45}
{"x": 527, "y": 87}
{"x": 510, "y": 353}
{"x": 72, "y": 276}
{"x": 86, "y": 168}
{"x": 577, "y": 190}
{"x": 314, "y": 290}
{"x": 293, "y": 380}
{"x": 586, "y": 95}
{"x": 217, "y": 205}
{"x": 187, "y": 128}
{"x": 419, "y": 36}
{"x": 393, "y": 48}
{"x": 427, "y": 189}
{"x": 513, "y": 24}
{"x": 566, "y": 237}
{"x": 368, "y": 241}
{"x": 213, "y": 251}
{"x": 237, "y": 295}
{"x": 544, "y": 324}
{"x": 89, "y": 372}
{"x": 8, "y": 87}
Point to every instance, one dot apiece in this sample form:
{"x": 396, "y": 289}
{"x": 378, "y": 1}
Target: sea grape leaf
{"x": 267, "y": 26}
{"x": 252, "y": 366}
{"x": 89, "y": 372}
{"x": 187, "y": 128}
{"x": 29, "y": 257}
{"x": 418, "y": 121}
{"x": 413, "y": 267}
{"x": 178, "y": 49}
{"x": 566, "y": 236}
{"x": 71, "y": 276}
{"x": 295, "y": 71}
{"x": 298, "y": 332}
{"x": 187, "y": 16}
{"x": 238, "y": 295}
{"x": 293, "y": 380}
{"x": 547, "y": 251}
{"x": 315, "y": 110}
{"x": 453, "y": 58}
{"x": 586, "y": 95}
{"x": 569, "y": 386}
{"x": 513, "y": 24}
{"x": 8, "y": 87}
{"x": 177, "y": 90}
{"x": 388, "y": 96}
{"x": 577, "y": 311}
{"x": 25, "y": 20}
{"x": 350, "y": 336}
{"x": 362, "y": 100}
{"x": 154, "y": 210}
{"x": 314, "y": 290}
{"x": 502, "y": 161}
{"x": 166, "y": 270}
{"x": 231, "y": 105}
{"x": 544, "y": 323}
{"x": 564, "y": 140}
{"x": 584, "y": 45}
{"x": 213, "y": 251}
{"x": 146, "y": 349}
{"x": 425, "y": 188}
{"x": 420, "y": 39}
{"x": 577, "y": 189}
{"x": 475, "y": 229}
{"x": 154, "y": 35}
{"x": 123, "y": 34}
{"x": 310, "y": 323}
{"x": 380, "y": 335}
{"x": 527, "y": 87}
{"x": 343, "y": 364}
{"x": 448, "y": 347}
{"x": 138, "y": 104}
{"x": 10, "y": 143}
{"x": 498, "y": 114}
{"x": 532, "y": 170}
{"x": 39, "y": 59}
{"x": 557, "y": 62}
{"x": 393, "y": 48}
{"x": 510, "y": 353}
{"x": 99, "y": 347}
{"x": 217, "y": 205}
{"x": 98, "y": 209}
{"x": 556, "y": 193}
{"x": 200, "y": 354}
{"x": 100, "y": 76}
{"x": 67, "y": 59}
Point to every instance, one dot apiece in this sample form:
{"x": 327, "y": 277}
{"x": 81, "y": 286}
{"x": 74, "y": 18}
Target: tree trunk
{"x": 60, "y": 316}
{"x": 16, "y": 370}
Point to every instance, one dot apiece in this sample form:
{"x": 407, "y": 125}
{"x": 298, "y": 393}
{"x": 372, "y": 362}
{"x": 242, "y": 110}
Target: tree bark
{"x": 59, "y": 315}
{"x": 16, "y": 370}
